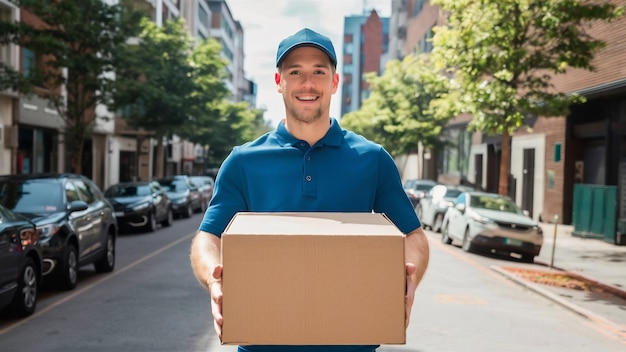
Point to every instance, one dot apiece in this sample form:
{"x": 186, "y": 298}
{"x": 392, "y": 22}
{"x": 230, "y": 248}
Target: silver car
{"x": 432, "y": 208}
{"x": 488, "y": 221}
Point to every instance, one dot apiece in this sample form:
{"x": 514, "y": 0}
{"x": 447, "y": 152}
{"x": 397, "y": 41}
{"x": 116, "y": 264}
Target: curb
{"x": 615, "y": 290}
{"x": 616, "y": 328}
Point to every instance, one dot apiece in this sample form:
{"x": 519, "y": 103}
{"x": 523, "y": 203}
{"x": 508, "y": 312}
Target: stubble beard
{"x": 306, "y": 116}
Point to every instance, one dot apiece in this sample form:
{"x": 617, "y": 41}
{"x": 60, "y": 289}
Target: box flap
{"x": 317, "y": 223}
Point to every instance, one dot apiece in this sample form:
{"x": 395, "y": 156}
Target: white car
{"x": 491, "y": 222}
{"x": 432, "y": 207}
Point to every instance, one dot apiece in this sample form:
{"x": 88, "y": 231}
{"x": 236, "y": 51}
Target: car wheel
{"x": 107, "y": 263}
{"x": 151, "y": 226}
{"x": 25, "y": 300}
{"x": 528, "y": 258}
{"x": 169, "y": 220}
{"x": 467, "y": 243}
{"x": 445, "y": 236}
{"x": 69, "y": 269}
{"x": 188, "y": 212}
{"x": 438, "y": 222}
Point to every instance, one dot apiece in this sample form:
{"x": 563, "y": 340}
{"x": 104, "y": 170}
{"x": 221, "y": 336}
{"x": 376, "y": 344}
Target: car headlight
{"x": 28, "y": 237}
{"x": 482, "y": 219}
{"x": 538, "y": 229}
{"x": 179, "y": 200}
{"x": 45, "y": 231}
{"x": 141, "y": 206}
{"x": 444, "y": 204}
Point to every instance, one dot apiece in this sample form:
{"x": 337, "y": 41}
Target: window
{"x": 85, "y": 192}
{"x": 71, "y": 193}
{"x": 29, "y": 60}
{"x": 203, "y": 16}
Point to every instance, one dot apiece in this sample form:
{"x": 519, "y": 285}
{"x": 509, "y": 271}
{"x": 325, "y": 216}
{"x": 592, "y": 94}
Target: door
{"x": 478, "y": 170}
{"x": 528, "y": 180}
{"x": 8, "y": 255}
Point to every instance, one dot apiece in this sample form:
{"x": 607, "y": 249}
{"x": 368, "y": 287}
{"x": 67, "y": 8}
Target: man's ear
{"x": 277, "y": 80}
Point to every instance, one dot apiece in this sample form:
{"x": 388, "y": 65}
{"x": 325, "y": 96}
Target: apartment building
{"x": 9, "y": 101}
{"x": 365, "y": 41}
{"x": 587, "y": 147}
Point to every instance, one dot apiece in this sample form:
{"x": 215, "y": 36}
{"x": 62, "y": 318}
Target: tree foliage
{"x": 504, "y": 54}
{"x": 406, "y": 106}
{"x": 74, "y": 48}
{"x": 163, "y": 83}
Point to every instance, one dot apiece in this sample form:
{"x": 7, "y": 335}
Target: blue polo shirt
{"x": 342, "y": 172}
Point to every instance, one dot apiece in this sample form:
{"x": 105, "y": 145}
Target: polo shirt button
{"x": 308, "y": 158}
{"x": 308, "y": 178}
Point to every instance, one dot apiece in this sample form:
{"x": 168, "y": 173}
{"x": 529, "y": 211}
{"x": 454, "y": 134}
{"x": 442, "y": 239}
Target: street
{"x": 152, "y": 302}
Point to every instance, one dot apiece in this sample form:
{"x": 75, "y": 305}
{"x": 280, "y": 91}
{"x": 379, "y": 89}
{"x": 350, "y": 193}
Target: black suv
{"x": 20, "y": 264}
{"x": 75, "y": 223}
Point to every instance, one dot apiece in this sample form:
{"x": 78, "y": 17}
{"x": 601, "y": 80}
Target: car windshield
{"x": 174, "y": 185}
{"x": 31, "y": 196}
{"x": 452, "y": 193}
{"x": 128, "y": 191}
{"x": 423, "y": 187}
{"x": 494, "y": 203}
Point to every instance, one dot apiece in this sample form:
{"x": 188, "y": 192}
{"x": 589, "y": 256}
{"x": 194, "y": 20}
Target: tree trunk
{"x": 505, "y": 162}
{"x": 160, "y": 158}
{"x": 76, "y": 161}
{"x": 140, "y": 141}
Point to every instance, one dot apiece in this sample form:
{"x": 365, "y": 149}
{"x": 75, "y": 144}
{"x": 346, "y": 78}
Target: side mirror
{"x": 77, "y": 205}
{"x": 526, "y": 212}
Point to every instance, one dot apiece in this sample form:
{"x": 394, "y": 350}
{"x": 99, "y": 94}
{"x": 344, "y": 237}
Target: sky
{"x": 266, "y": 23}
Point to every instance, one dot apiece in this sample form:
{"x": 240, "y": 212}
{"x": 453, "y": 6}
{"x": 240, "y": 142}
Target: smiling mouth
{"x": 306, "y": 98}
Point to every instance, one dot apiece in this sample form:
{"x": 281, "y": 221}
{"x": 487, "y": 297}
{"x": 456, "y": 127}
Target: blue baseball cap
{"x": 306, "y": 37}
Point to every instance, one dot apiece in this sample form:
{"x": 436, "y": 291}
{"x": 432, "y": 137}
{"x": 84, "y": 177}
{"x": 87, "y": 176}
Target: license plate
{"x": 119, "y": 213}
{"x": 513, "y": 242}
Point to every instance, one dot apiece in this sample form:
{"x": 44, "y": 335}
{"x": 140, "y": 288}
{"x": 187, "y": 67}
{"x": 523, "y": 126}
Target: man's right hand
{"x": 215, "y": 287}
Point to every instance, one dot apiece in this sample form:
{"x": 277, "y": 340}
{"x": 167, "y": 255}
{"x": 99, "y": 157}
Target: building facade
{"x": 365, "y": 41}
{"x": 587, "y": 147}
{"x": 31, "y": 133}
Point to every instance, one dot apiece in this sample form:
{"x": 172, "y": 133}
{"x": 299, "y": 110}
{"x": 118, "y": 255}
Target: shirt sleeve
{"x": 391, "y": 199}
{"x": 228, "y": 196}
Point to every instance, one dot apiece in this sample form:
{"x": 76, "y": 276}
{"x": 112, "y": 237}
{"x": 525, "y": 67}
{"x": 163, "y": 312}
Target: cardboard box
{"x": 313, "y": 279}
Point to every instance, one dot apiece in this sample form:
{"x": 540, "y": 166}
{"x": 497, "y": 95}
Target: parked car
{"x": 417, "y": 188}
{"x": 74, "y": 220}
{"x": 140, "y": 205}
{"x": 20, "y": 264}
{"x": 185, "y": 196}
{"x": 489, "y": 221}
{"x": 432, "y": 207}
{"x": 205, "y": 186}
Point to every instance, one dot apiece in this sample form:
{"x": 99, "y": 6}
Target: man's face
{"x": 307, "y": 79}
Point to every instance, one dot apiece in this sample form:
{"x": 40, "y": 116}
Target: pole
{"x": 556, "y": 221}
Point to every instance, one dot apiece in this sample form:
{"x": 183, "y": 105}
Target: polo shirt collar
{"x": 333, "y": 137}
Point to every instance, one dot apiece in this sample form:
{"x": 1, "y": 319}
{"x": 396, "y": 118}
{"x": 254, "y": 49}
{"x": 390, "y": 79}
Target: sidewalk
{"x": 592, "y": 259}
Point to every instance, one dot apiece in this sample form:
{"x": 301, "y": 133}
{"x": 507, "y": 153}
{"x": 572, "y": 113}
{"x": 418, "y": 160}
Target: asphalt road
{"x": 152, "y": 302}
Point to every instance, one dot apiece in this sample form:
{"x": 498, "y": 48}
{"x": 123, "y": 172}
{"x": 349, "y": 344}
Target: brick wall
{"x": 610, "y": 62}
{"x": 418, "y": 26}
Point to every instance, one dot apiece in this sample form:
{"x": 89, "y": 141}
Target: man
{"x": 309, "y": 163}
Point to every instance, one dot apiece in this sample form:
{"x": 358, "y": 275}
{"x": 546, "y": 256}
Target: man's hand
{"x": 411, "y": 269}
{"x": 215, "y": 287}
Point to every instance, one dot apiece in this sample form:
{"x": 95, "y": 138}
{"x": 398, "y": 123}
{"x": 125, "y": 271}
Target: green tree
{"x": 232, "y": 124}
{"x": 166, "y": 84}
{"x": 405, "y": 106}
{"x": 80, "y": 38}
{"x": 505, "y": 52}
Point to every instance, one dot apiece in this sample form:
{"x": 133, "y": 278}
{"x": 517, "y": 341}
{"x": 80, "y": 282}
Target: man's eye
{"x": 294, "y": 72}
